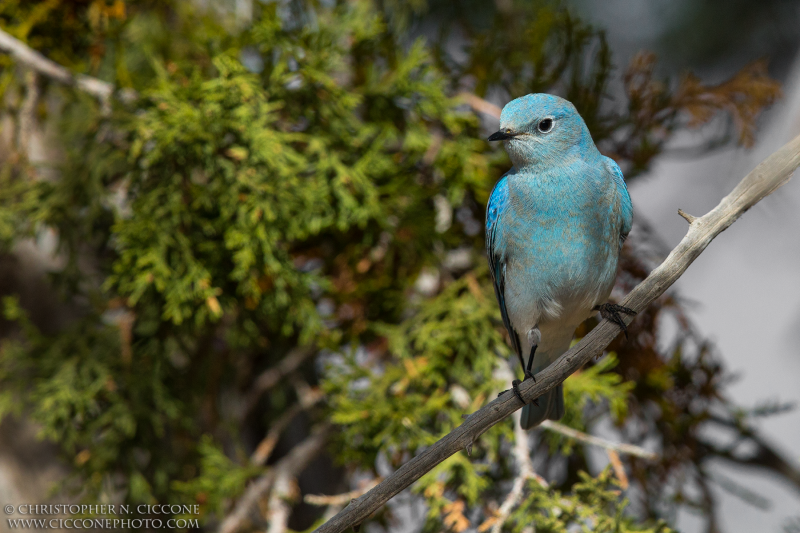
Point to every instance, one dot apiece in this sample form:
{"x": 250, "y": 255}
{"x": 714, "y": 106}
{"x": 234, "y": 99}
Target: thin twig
{"x": 480, "y": 105}
{"x": 619, "y": 469}
{"x": 763, "y": 180}
{"x": 686, "y": 216}
{"x": 619, "y": 447}
{"x": 522, "y": 456}
{"x": 246, "y": 511}
{"x": 339, "y": 499}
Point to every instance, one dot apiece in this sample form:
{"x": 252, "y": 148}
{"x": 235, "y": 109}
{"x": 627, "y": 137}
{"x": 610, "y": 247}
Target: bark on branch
{"x": 763, "y": 180}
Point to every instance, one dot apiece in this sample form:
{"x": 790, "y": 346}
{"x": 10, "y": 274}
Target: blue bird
{"x": 555, "y": 224}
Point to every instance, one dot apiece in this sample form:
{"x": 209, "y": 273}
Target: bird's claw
{"x": 611, "y": 312}
{"x": 515, "y": 387}
{"x": 529, "y": 375}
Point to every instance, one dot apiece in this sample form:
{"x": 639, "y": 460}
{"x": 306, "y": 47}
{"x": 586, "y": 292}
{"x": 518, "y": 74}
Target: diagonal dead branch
{"x": 102, "y": 90}
{"x": 763, "y": 180}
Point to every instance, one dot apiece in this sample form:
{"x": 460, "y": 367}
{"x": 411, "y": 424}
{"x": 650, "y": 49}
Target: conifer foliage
{"x": 272, "y": 258}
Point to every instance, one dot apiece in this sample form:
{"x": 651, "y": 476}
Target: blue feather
{"x": 495, "y": 209}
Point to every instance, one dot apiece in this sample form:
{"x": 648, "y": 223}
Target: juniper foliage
{"x": 313, "y": 178}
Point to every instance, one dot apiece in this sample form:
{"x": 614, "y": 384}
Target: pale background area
{"x": 746, "y": 289}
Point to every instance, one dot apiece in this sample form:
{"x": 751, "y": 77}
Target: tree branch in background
{"x": 763, "y": 180}
{"x": 272, "y": 376}
{"x": 764, "y": 455}
{"x": 627, "y": 449}
{"x": 522, "y": 457}
{"x": 27, "y": 56}
{"x": 279, "y": 477}
{"x": 339, "y": 499}
{"x": 480, "y": 105}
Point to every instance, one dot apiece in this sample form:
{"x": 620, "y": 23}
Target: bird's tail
{"x": 551, "y": 406}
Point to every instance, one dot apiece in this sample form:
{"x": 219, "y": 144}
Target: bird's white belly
{"x": 556, "y": 309}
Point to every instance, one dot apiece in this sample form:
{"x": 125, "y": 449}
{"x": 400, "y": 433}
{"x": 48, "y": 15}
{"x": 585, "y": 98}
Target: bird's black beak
{"x": 502, "y": 135}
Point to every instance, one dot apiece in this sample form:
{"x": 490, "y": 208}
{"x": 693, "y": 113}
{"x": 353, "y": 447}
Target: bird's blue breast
{"x": 556, "y": 237}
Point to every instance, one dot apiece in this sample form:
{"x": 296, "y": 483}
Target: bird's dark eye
{"x": 545, "y": 125}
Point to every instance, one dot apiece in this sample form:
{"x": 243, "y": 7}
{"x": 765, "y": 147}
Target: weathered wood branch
{"x": 763, "y": 180}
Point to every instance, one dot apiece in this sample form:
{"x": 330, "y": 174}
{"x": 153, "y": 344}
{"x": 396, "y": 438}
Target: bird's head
{"x": 539, "y": 129}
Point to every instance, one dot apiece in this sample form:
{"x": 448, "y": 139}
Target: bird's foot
{"x": 515, "y": 388}
{"x": 529, "y": 375}
{"x": 611, "y": 312}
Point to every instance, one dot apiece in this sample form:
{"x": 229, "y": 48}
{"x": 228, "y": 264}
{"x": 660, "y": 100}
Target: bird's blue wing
{"x": 495, "y": 249}
{"x": 625, "y": 205}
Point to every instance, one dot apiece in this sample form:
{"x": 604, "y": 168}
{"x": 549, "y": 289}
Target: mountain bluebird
{"x": 555, "y": 225}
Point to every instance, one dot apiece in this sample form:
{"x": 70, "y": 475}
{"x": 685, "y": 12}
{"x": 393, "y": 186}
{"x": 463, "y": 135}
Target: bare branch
{"x": 619, "y": 469}
{"x": 102, "y": 90}
{"x": 480, "y": 105}
{"x": 278, "y": 508}
{"x": 686, "y": 216}
{"x": 522, "y": 456}
{"x": 246, "y": 511}
{"x": 339, "y": 499}
{"x": 763, "y": 180}
{"x": 618, "y": 447}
